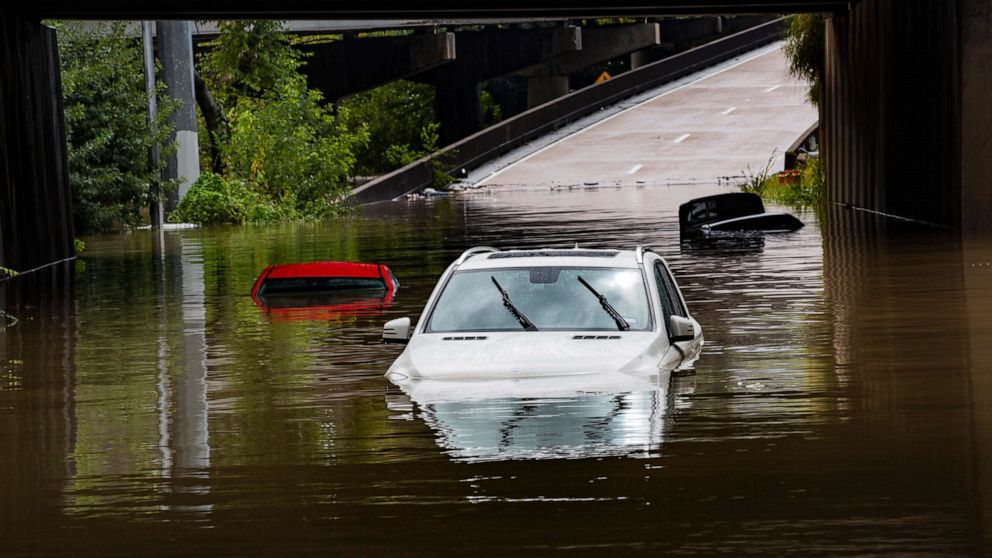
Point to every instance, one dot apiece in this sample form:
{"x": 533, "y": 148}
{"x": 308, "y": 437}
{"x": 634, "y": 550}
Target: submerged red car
{"x": 323, "y": 277}
{"x": 324, "y": 290}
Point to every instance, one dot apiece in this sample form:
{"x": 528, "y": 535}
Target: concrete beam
{"x": 549, "y": 80}
{"x": 600, "y": 44}
{"x": 483, "y": 55}
{"x": 390, "y": 9}
{"x": 343, "y": 68}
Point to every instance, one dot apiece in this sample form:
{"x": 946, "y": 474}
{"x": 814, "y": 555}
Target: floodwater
{"x": 842, "y": 404}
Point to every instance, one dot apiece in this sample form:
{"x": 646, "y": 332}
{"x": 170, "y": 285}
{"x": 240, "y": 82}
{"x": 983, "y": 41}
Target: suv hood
{"x": 527, "y": 354}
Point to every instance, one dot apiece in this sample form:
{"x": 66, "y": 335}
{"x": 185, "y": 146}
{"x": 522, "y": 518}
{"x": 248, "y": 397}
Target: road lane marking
{"x": 681, "y": 138}
{"x": 634, "y": 169}
{"x": 728, "y": 111}
{"x": 772, "y": 88}
{"x": 762, "y": 52}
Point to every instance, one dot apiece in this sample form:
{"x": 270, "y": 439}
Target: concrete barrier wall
{"x": 512, "y": 132}
{"x": 906, "y": 116}
{"x": 889, "y": 109}
{"x": 35, "y": 200}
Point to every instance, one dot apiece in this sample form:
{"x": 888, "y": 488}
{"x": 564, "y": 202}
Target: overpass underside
{"x": 906, "y": 118}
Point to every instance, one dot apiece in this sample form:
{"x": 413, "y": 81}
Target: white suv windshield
{"x": 552, "y": 298}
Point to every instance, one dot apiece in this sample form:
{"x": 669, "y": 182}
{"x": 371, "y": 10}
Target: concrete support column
{"x": 175, "y": 51}
{"x": 483, "y": 55}
{"x": 976, "y": 121}
{"x": 458, "y": 110}
{"x": 638, "y": 59}
{"x": 35, "y": 197}
{"x": 542, "y": 88}
{"x": 890, "y": 115}
{"x": 594, "y": 45}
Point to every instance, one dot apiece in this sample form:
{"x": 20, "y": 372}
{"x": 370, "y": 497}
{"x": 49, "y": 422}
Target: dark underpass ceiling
{"x": 398, "y": 9}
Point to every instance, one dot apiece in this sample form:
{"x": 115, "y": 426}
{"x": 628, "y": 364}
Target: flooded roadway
{"x": 841, "y": 404}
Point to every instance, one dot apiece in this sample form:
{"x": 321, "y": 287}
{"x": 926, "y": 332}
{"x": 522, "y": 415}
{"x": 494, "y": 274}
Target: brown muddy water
{"x": 842, "y": 404}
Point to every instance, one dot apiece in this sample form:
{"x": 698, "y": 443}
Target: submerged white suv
{"x": 548, "y": 312}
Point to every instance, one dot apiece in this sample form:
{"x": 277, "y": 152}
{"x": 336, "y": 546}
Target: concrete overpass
{"x": 906, "y": 118}
{"x": 400, "y": 10}
{"x": 710, "y": 130}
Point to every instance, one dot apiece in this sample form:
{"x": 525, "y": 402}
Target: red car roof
{"x": 325, "y": 269}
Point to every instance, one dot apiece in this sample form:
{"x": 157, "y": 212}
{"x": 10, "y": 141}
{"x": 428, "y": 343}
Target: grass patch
{"x": 806, "y": 190}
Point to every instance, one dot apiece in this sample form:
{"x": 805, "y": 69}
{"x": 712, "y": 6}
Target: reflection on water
{"x": 570, "y": 417}
{"x": 841, "y": 404}
{"x": 325, "y": 306}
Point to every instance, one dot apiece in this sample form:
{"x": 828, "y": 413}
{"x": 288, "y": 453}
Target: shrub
{"x": 755, "y": 182}
{"x": 286, "y": 153}
{"x": 213, "y": 200}
{"x": 807, "y": 191}
{"x": 290, "y": 148}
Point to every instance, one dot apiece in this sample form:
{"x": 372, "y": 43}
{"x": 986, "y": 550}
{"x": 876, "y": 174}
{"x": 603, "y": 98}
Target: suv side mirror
{"x": 396, "y": 331}
{"x": 680, "y": 329}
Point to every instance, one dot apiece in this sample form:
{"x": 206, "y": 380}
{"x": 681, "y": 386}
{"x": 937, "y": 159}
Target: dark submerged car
{"x": 732, "y": 214}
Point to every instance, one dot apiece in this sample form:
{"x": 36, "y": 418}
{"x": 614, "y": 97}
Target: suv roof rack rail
{"x": 473, "y": 251}
{"x": 639, "y": 252}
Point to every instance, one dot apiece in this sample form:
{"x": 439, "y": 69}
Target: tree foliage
{"x": 248, "y": 59}
{"x": 285, "y": 145}
{"x": 396, "y": 115}
{"x": 804, "y": 46}
{"x": 106, "y": 125}
{"x": 214, "y": 199}
{"x": 291, "y": 148}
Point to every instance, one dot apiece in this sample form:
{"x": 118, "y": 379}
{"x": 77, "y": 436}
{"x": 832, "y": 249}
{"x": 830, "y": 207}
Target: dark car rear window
{"x": 318, "y": 284}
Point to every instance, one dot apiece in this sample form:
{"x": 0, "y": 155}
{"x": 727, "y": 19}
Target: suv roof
{"x": 478, "y": 258}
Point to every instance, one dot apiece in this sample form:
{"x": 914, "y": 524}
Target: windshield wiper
{"x": 526, "y": 323}
{"x": 622, "y": 324}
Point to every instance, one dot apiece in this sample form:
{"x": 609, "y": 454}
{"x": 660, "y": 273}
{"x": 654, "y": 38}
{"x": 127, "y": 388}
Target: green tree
{"x": 396, "y": 115}
{"x": 286, "y": 152}
{"x": 292, "y": 148}
{"x": 106, "y": 125}
{"x": 248, "y": 59}
{"x": 804, "y": 46}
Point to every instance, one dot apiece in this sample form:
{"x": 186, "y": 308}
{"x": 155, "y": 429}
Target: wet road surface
{"x": 840, "y": 407}
{"x": 725, "y": 122}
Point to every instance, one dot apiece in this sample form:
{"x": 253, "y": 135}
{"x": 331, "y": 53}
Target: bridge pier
{"x": 549, "y": 80}
{"x": 175, "y": 51}
{"x": 483, "y": 55}
{"x": 458, "y": 109}
{"x": 35, "y": 199}
{"x": 976, "y": 108}
{"x": 544, "y": 87}
{"x": 906, "y": 114}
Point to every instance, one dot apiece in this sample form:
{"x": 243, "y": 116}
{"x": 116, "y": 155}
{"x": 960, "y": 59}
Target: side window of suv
{"x": 670, "y": 302}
